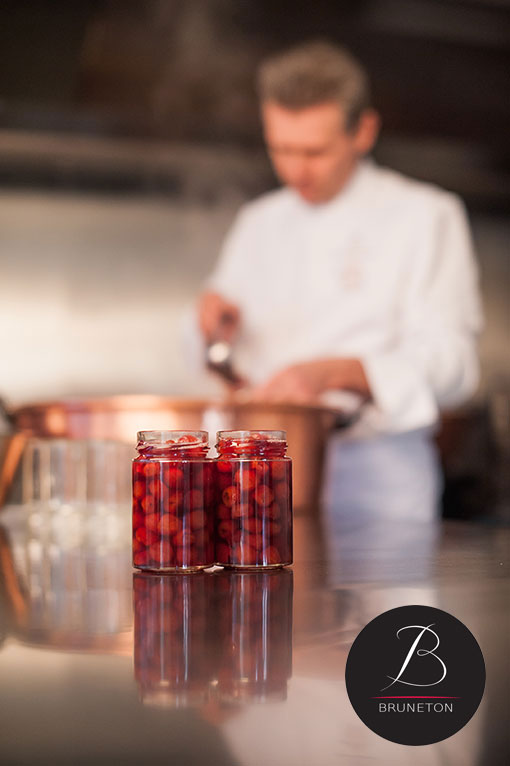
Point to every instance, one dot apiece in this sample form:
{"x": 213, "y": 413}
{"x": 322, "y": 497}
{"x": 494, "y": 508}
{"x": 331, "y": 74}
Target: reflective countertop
{"x": 101, "y": 665}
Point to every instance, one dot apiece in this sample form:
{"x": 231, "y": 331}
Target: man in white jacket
{"x": 351, "y": 279}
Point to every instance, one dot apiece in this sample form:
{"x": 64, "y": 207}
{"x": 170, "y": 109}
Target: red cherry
{"x": 173, "y": 475}
{"x": 167, "y": 554}
{"x": 152, "y": 486}
{"x": 171, "y": 501}
{"x": 252, "y": 524}
{"x": 140, "y": 559}
{"x": 261, "y": 469}
{"x": 223, "y": 512}
{"x": 145, "y": 536}
{"x": 225, "y": 529}
{"x": 169, "y": 524}
{"x": 245, "y": 479}
{"x": 273, "y": 555}
{"x": 154, "y": 552}
{"x": 230, "y": 496}
{"x": 180, "y": 556}
{"x": 187, "y": 439}
{"x": 198, "y": 481}
{"x": 282, "y": 491}
{"x": 137, "y": 546}
{"x": 222, "y": 554}
{"x": 197, "y": 519}
{"x": 263, "y": 495}
{"x": 194, "y": 499}
{"x": 244, "y": 554}
{"x": 197, "y": 451}
{"x": 254, "y": 541}
{"x": 184, "y": 538}
{"x": 278, "y": 469}
{"x": 241, "y": 510}
{"x": 273, "y": 511}
{"x": 138, "y": 489}
{"x": 151, "y": 470}
{"x": 224, "y": 480}
{"x": 224, "y": 466}
{"x": 162, "y": 553}
{"x": 138, "y": 519}
{"x": 152, "y": 522}
{"x": 148, "y": 504}
{"x": 138, "y": 474}
{"x": 201, "y": 539}
{"x": 209, "y": 493}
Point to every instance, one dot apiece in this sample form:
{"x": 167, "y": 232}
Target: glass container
{"x": 173, "y": 502}
{"x": 253, "y": 499}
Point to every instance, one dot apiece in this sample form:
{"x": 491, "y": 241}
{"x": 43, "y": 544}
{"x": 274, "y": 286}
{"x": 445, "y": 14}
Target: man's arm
{"x": 305, "y": 382}
{"x": 434, "y": 365}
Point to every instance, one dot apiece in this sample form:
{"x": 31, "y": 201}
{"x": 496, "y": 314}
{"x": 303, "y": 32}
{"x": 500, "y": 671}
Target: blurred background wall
{"x": 129, "y": 136}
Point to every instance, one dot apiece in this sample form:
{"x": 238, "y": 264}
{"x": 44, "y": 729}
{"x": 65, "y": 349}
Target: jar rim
{"x": 171, "y": 437}
{"x": 258, "y": 434}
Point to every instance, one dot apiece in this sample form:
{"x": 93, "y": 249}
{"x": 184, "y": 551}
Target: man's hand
{"x": 218, "y": 319}
{"x": 303, "y": 383}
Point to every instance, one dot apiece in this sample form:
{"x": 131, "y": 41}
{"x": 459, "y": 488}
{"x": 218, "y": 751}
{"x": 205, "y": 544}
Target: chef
{"x": 350, "y": 283}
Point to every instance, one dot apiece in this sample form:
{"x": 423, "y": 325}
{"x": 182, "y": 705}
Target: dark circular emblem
{"x": 415, "y": 675}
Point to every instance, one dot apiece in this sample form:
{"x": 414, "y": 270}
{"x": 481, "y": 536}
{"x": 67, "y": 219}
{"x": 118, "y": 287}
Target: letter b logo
{"x": 415, "y": 675}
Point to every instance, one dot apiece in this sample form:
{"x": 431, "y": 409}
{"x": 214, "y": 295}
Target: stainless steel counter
{"x": 219, "y": 668}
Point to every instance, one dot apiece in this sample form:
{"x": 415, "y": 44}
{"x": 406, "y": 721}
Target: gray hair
{"x": 312, "y": 73}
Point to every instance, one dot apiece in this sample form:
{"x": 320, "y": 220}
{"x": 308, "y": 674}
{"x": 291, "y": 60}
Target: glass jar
{"x": 253, "y": 516}
{"x": 172, "y": 502}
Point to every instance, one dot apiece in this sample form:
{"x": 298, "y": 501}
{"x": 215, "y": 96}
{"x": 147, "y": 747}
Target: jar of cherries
{"x": 253, "y": 499}
{"x": 173, "y": 502}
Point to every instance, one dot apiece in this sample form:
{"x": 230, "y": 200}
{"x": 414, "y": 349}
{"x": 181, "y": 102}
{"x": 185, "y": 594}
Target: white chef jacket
{"x": 384, "y": 272}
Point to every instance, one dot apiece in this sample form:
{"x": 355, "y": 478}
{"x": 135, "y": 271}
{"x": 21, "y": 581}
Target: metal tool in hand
{"x": 220, "y": 351}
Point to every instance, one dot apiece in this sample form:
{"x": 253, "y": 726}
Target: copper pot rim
{"x": 132, "y": 402}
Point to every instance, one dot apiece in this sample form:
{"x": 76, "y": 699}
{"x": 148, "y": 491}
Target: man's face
{"x": 310, "y": 149}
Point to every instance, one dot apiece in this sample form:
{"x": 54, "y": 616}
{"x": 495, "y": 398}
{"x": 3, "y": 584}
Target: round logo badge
{"x": 415, "y": 675}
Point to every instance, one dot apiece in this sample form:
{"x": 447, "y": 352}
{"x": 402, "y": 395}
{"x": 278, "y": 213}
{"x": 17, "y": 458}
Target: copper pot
{"x": 120, "y": 417}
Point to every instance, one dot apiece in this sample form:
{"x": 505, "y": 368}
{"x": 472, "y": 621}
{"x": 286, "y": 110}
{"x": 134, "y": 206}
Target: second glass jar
{"x": 253, "y": 515}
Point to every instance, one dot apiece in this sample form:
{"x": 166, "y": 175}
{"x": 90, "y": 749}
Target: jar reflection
{"x": 213, "y": 638}
{"x": 255, "y": 635}
{"x": 172, "y": 656}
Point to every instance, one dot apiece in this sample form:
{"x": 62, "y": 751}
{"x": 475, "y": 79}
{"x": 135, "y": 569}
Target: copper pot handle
{"x": 6, "y": 414}
{"x": 11, "y": 452}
